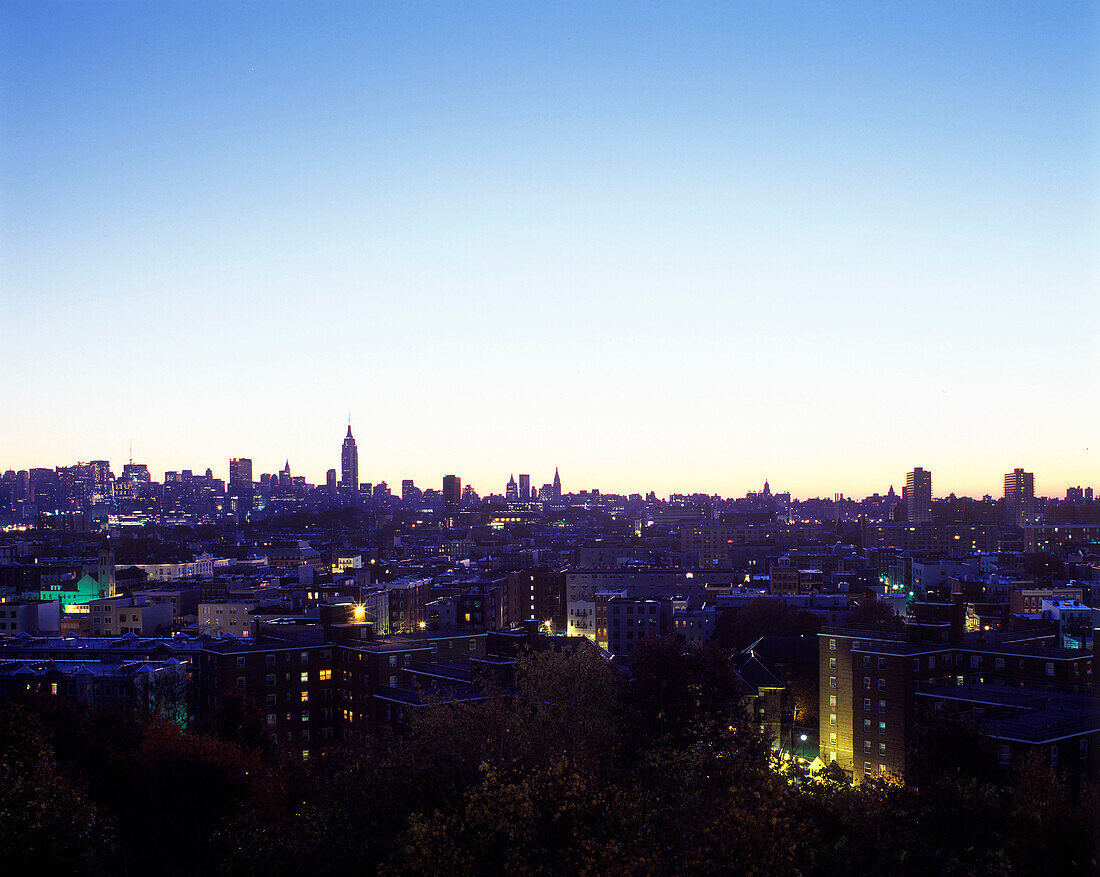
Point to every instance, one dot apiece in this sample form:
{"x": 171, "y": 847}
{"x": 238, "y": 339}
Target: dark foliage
{"x": 577, "y": 770}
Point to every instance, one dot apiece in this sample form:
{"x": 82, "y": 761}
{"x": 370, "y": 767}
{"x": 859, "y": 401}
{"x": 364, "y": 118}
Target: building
{"x": 1019, "y": 497}
{"x": 452, "y": 493}
{"x": 227, "y": 617}
{"x": 240, "y": 472}
{"x": 869, "y": 679}
{"x": 918, "y": 495}
{"x": 525, "y": 487}
{"x": 117, "y": 616}
{"x": 349, "y": 464}
{"x": 511, "y": 491}
{"x": 786, "y": 578}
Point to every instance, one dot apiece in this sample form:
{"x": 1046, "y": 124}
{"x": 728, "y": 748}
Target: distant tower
{"x": 105, "y": 573}
{"x": 349, "y": 463}
{"x": 511, "y": 492}
{"x": 285, "y": 481}
{"x": 1019, "y": 497}
{"x": 525, "y": 487}
{"x": 918, "y": 495}
{"x": 452, "y": 493}
{"x": 330, "y": 482}
{"x": 240, "y": 472}
{"x": 557, "y": 484}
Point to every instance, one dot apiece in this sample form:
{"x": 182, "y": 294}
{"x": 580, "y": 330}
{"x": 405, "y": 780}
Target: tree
{"x": 47, "y": 824}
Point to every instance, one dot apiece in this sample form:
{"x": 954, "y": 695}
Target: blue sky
{"x": 661, "y": 246}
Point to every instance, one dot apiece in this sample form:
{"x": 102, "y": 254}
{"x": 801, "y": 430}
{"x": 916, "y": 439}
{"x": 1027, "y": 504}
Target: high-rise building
{"x": 511, "y": 492}
{"x": 918, "y": 495}
{"x": 330, "y": 482}
{"x": 1019, "y": 497}
{"x": 557, "y": 484}
{"x": 240, "y": 472}
{"x": 101, "y": 479}
{"x": 349, "y": 464}
{"x": 452, "y": 493}
{"x": 525, "y": 487}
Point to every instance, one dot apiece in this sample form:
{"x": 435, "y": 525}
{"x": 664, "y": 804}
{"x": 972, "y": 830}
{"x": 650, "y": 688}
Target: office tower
{"x": 1088, "y": 493}
{"x": 1019, "y": 497}
{"x": 557, "y": 484}
{"x": 452, "y": 493}
{"x": 240, "y": 472}
{"x": 918, "y": 495}
{"x": 525, "y": 487}
{"x": 285, "y": 479}
{"x": 349, "y": 463}
{"x": 511, "y": 492}
{"x": 407, "y": 488}
{"x": 101, "y": 479}
{"x": 330, "y": 482}
{"x": 140, "y": 472}
{"x": 1075, "y": 494}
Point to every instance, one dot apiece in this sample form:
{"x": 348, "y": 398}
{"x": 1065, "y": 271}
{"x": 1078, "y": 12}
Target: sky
{"x": 662, "y": 246}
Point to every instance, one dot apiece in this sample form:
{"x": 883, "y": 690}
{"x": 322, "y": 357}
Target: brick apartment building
{"x": 871, "y": 682}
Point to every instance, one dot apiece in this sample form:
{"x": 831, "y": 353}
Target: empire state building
{"x": 349, "y": 464}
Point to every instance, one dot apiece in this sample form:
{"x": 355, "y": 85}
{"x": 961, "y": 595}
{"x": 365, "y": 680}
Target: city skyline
{"x": 496, "y": 484}
{"x": 678, "y": 250}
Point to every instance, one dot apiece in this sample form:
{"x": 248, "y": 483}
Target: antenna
{"x": 131, "y": 450}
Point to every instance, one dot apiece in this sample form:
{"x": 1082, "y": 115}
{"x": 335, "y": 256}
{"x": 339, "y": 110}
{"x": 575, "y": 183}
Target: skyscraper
{"x": 525, "y": 487}
{"x": 511, "y": 492}
{"x": 1019, "y": 497}
{"x": 240, "y": 472}
{"x": 452, "y": 493}
{"x": 918, "y": 495}
{"x": 557, "y": 484}
{"x": 349, "y": 464}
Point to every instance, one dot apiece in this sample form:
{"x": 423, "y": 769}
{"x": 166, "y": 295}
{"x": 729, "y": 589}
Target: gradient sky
{"x": 663, "y": 246}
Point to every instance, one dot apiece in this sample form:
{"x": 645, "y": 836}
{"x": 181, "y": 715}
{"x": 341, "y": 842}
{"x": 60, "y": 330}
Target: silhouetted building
{"x": 452, "y": 493}
{"x": 349, "y": 464}
{"x": 918, "y": 495}
{"x": 240, "y": 472}
{"x": 1019, "y": 497}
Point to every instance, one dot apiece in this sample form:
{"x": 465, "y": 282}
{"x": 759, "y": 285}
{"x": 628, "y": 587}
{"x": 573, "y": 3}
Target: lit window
{"x": 305, "y": 697}
{"x": 324, "y": 675}
{"x": 304, "y": 677}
